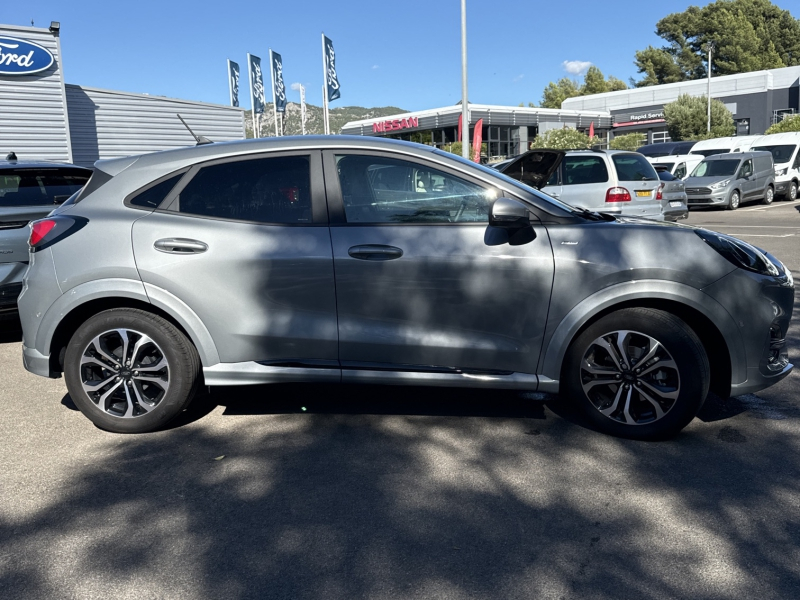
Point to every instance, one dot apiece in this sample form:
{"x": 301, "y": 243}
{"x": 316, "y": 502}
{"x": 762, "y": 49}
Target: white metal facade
{"x": 108, "y": 124}
{"x": 42, "y": 118}
{"x": 33, "y": 108}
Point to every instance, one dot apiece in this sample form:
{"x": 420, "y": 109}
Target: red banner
{"x": 477, "y": 140}
{"x": 460, "y": 117}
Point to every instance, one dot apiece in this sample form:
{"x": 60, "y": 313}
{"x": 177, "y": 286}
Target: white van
{"x": 785, "y": 148}
{"x": 678, "y": 165}
{"x": 724, "y": 145}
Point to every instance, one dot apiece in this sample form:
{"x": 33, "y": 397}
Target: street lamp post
{"x": 709, "y": 47}
{"x": 464, "y": 104}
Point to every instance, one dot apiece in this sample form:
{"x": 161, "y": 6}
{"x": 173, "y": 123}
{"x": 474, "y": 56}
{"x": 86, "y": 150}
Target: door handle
{"x": 375, "y": 252}
{"x": 180, "y": 246}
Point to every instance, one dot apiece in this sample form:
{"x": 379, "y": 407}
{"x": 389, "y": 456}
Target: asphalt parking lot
{"x": 300, "y": 491}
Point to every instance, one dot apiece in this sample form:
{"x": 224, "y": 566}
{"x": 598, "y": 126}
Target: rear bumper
{"x": 37, "y": 363}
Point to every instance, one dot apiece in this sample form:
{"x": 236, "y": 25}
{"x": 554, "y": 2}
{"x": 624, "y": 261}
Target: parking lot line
{"x": 781, "y": 205}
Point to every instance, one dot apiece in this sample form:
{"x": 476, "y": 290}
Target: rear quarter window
{"x": 633, "y": 167}
{"x": 584, "y": 169}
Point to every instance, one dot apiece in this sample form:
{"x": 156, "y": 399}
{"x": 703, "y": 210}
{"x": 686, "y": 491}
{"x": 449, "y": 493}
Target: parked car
{"x": 665, "y": 149}
{"x": 785, "y": 149}
{"x": 679, "y": 165}
{"x": 364, "y": 260}
{"x": 611, "y": 181}
{"x": 28, "y": 191}
{"x": 723, "y": 145}
{"x": 673, "y": 197}
{"x": 730, "y": 179}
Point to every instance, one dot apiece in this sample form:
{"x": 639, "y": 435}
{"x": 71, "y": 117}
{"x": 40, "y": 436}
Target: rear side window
{"x": 584, "y": 169}
{"x": 40, "y": 187}
{"x": 633, "y": 167}
{"x": 264, "y": 190}
{"x": 153, "y": 196}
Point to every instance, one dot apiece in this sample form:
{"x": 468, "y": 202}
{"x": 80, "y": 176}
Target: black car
{"x": 28, "y": 191}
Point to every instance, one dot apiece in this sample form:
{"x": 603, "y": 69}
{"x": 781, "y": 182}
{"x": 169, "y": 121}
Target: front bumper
{"x": 757, "y": 381}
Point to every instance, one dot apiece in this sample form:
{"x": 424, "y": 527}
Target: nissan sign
{"x": 395, "y": 125}
{"x": 18, "y": 57}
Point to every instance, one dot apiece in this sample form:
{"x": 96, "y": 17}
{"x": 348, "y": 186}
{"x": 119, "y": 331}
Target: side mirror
{"x": 509, "y": 214}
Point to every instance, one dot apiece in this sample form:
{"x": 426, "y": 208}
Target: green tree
{"x": 594, "y": 82}
{"x": 687, "y": 118}
{"x": 629, "y": 141}
{"x": 555, "y": 93}
{"x": 563, "y": 139}
{"x": 786, "y": 125}
{"x": 749, "y": 35}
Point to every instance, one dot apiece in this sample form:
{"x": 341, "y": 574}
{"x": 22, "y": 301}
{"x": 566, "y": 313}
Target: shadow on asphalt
{"x": 10, "y": 329}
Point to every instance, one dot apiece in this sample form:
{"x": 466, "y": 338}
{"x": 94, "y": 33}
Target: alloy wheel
{"x": 793, "y": 191}
{"x": 630, "y": 377}
{"x": 124, "y": 373}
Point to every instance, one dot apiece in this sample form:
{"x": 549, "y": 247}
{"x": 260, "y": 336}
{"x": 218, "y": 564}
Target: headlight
{"x": 720, "y": 184}
{"x": 779, "y": 172}
{"x": 739, "y": 253}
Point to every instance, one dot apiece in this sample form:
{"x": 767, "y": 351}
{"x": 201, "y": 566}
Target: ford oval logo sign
{"x": 18, "y": 57}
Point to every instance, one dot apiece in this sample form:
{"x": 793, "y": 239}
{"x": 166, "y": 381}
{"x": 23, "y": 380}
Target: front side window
{"x": 747, "y": 169}
{"x": 39, "y": 187}
{"x": 263, "y": 190}
{"x": 680, "y": 171}
{"x": 378, "y": 189}
{"x": 584, "y": 169}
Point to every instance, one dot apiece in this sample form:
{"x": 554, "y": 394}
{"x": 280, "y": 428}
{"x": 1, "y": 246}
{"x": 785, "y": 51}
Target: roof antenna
{"x": 199, "y": 138}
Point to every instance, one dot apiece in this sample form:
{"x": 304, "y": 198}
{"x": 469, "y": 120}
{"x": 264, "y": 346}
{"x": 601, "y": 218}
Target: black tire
{"x": 685, "y": 374}
{"x": 734, "y": 201}
{"x": 146, "y": 404}
{"x": 792, "y": 193}
{"x": 769, "y": 195}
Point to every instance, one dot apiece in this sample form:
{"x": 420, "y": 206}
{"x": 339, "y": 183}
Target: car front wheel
{"x": 733, "y": 203}
{"x": 638, "y": 373}
{"x": 793, "y": 191}
{"x": 130, "y": 371}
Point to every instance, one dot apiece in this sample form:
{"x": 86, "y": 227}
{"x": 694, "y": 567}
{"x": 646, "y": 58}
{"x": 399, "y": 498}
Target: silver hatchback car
{"x": 349, "y": 259}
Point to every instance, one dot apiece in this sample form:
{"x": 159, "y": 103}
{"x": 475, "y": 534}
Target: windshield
{"x": 780, "y": 154}
{"x": 40, "y": 186}
{"x": 716, "y": 168}
{"x": 506, "y": 179}
{"x": 711, "y": 152}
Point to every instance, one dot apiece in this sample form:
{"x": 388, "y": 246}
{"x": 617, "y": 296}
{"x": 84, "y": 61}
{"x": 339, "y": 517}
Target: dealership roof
{"x": 491, "y": 114}
{"x": 723, "y": 86}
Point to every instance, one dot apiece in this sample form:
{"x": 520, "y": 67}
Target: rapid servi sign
{"x": 18, "y": 57}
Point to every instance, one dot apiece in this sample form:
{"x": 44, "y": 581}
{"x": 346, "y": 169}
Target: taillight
{"x": 658, "y": 192}
{"x": 39, "y": 230}
{"x": 618, "y": 194}
{"x": 46, "y": 232}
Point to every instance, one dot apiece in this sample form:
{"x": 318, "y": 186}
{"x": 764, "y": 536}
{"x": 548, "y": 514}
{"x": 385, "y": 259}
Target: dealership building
{"x": 44, "y": 118}
{"x": 756, "y": 100}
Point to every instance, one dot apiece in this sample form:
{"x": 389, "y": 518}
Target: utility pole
{"x": 710, "y": 48}
{"x": 464, "y": 103}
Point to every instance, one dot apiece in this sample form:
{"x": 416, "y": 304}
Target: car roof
{"x": 214, "y": 150}
{"x": 25, "y": 164}
{"x": 737, "y": 155}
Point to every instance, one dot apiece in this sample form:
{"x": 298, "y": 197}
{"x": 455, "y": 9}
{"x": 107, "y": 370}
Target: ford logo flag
{"x": 18, "y": 57}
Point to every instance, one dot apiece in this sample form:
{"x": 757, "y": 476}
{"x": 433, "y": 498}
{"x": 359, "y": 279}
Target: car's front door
{"x": 748, "y": 180}
{"x": 244, "y": 244}
{"x": 422, "y": 281}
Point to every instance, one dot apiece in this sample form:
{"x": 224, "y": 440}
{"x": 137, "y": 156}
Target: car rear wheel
{"x": 733, "y": 203}
{"x": 769, "y": 196}
{"x": 638, "y": 373}
{"x": 130, "y": 371}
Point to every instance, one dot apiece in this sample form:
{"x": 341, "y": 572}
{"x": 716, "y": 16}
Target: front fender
{"x": 587, "y": 309}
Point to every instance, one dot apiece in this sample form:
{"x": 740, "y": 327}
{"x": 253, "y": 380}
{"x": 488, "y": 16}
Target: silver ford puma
{"x": 349, "y": 259}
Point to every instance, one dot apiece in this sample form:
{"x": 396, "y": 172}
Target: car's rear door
{"x": 422, "y": 281}
{"x": 243, "y": 242}
{"x": 639, "y": 177}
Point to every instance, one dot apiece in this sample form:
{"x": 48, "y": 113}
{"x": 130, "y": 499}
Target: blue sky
{"x": 404, "y": 54}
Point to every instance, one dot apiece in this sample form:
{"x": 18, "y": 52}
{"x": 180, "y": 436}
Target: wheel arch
{"x": 82, "y": 304}
{"x": 710, "y": 321}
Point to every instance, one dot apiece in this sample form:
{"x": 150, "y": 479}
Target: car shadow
{"x": 10, "y": 329}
